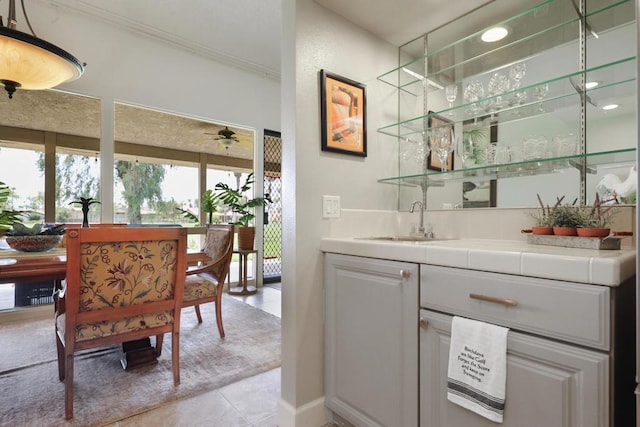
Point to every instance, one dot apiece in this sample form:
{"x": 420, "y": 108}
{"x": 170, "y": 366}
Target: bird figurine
{"x": 612, "y": 187}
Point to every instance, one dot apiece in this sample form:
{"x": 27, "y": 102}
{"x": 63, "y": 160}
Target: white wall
{"x": 314, "y": 39}
{"x": 129, "y": 67}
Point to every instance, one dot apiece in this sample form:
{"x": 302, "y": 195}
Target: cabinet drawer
{"x": 572, "y": 312}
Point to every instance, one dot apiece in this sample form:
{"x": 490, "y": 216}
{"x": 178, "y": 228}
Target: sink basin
{"x": 406, "y": 238}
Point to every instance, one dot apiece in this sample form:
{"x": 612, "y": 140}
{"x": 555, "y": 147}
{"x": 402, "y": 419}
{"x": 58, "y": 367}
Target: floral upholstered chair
{"x": 205, "y": 284}
{"x": 122, "y": 284}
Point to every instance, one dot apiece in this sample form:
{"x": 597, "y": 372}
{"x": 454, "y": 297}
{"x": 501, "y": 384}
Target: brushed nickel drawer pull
{"x": 504, "y": 301}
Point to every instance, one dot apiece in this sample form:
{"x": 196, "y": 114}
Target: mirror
{"x": 553, "y": 127}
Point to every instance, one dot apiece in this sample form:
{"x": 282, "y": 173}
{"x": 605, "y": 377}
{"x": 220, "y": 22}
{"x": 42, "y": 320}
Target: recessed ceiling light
{"x": 494, "y": 34}
{"x": 591, "y": 85}
{"x": 610, "y": 107}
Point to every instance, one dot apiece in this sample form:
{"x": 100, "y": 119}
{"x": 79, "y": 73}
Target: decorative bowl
{"x": 37, "y": 243}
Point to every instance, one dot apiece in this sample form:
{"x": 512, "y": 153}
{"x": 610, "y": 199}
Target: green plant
{"x": 209, "y": 202}
{"x": 19, "y": 229}
{"x": 7, "y": 216}
{"x": 568, "y": 215}
{"x": 597, "y": 215}
{"x": 543, "y": 216}
{"x": 239, "y": 204}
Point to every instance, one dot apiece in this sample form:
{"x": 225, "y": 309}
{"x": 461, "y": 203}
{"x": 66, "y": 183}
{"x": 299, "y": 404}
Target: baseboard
{"x": 312, "y": 414}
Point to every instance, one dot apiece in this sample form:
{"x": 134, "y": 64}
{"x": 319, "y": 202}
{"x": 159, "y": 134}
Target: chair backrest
{"x": 218, "y": 246}
{"x": 123, "y": 281}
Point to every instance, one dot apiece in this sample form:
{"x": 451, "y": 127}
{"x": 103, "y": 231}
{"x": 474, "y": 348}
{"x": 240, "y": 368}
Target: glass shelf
{"x": 619, "y": 76}
{"x": 547, "y": 25}
{"x": 590, "y": 161}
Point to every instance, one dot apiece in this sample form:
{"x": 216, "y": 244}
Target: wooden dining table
{"x": 28, "y": 267}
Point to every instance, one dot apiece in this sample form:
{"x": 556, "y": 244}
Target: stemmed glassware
{"x": 498, "y": 84}
{"x": 516, "y": 73}
{"x": 416, "y": 149}
{"x": 464, "y": 147}
{"x": 451, "y": 93}
{"x": 441, "y": 144}
{"x": 540, "y": 92}
{"x": 473, "y": 93}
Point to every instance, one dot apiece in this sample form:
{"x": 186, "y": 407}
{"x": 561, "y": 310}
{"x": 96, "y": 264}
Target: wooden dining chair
{"x": 122, "y": 284}
{"x": 205, "y": 283}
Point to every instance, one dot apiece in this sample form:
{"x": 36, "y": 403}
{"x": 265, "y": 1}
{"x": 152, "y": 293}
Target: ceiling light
{"x": 27, "y": 62}
{"x": 610, "y": 107}
{"x": 494, "y": 34}
{"x": 591, "y": 85}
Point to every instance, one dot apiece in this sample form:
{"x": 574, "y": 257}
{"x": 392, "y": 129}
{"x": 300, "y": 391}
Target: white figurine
{"x": 612, "y": 187}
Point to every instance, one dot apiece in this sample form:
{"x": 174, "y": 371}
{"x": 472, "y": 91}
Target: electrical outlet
{"x": 330, "y": 206}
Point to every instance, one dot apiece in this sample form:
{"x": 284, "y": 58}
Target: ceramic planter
{"x": 565, "y": 231}
{"x": 594, "y": 232}
{"x": 542, "y": 230}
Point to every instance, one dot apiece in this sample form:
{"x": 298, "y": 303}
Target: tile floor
{"x": 247, "y": 403}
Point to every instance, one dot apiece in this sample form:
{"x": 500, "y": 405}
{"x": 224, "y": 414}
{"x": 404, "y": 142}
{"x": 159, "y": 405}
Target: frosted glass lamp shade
{"x": 28, "y": 62}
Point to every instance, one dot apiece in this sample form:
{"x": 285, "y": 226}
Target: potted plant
{"x": 596, "y": 219}
{"x": 542, "y": 219}
{"x": 242, "y": 208}
{"x": 565, "y": 219}
{"x": 209, "y": 204}
{"x": 7, "y": 216}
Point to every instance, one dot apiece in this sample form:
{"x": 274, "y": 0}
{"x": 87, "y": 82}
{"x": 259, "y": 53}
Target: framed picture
{"x": 342, "y": 115}
{"x": 437, "y": 122}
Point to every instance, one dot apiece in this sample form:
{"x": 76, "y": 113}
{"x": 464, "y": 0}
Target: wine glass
{"x": 516, "y": 73}
{"x": 473, "y": 93}
{"x": 451, "y": 93}
{"x": 540, "y": 92}
{"x": 464, "y": 147}
{"x": 498, "y": 84}
{"x": 441, "y": 145}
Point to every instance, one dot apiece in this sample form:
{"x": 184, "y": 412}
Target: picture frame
{"x": 433, "y": 162}
{"x": 343, "y": 115}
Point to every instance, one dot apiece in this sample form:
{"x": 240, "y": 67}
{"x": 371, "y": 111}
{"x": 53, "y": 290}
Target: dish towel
{"x": 477, "y": 372}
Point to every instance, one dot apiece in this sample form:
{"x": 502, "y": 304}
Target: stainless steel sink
{"x": 406, "y": 238}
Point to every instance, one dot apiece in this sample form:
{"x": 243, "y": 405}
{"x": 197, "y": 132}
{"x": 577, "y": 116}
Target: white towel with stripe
{"x": 477, "y": 374}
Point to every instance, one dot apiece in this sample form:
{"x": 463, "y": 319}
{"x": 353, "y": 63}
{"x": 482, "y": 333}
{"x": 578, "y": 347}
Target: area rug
{"x": 32, "y": 395}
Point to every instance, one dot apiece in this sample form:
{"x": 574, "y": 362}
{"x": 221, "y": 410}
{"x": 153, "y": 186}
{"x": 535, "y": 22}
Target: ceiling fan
{"x": 225, "y": 137}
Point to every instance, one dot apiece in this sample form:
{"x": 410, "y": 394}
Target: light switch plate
{"x": 330, "y": 206}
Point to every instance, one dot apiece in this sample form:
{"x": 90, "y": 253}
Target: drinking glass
{"x": 498, "y": 84}
{"x": 441, "y": 145}
{"x": 540, "y": 92}
{"x": 473, "y": 93}
{"x": 516, "y": 73}
{"x": 451, "y": 92}
{"x": 464, "y": 147}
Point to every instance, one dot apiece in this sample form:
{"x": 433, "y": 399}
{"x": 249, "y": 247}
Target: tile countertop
{"x": 598, "y": 267}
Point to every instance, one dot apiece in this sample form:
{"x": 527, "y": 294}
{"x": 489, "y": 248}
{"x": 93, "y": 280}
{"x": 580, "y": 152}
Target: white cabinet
{"x": 548, "y": 383}
{"x": 568, "y": 350}
{"x": 371, "y": 340}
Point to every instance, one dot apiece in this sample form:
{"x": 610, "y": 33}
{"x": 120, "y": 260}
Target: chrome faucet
{"x": 421, "y": 230}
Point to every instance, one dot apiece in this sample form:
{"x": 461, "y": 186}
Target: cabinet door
{"x": 371, "y": 340}
{"x": 548, "y": 383}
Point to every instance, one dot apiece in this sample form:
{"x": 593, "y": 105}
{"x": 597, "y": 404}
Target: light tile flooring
{"x": 247, "y": 403}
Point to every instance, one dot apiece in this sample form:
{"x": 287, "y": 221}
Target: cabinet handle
{"x": 424, "y": 323}
{"x": 405, "y": 274}
{"x": 503, "y": 301}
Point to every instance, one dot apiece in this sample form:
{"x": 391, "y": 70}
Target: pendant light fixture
{"x": 27, "y": 62}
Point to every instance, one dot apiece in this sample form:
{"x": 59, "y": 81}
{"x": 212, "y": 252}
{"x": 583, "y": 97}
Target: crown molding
{"x": 137, "y": 27}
